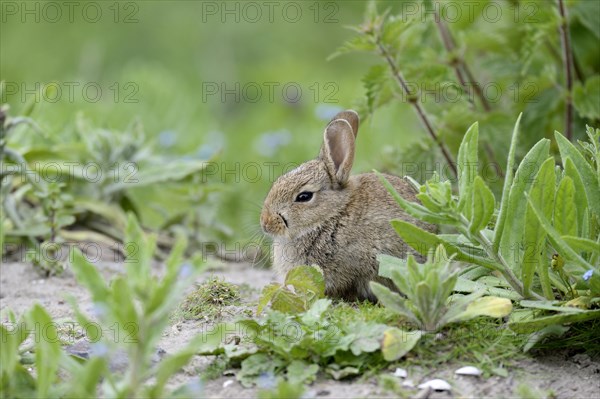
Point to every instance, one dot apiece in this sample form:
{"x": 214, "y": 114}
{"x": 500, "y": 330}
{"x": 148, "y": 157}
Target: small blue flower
{"x": 266, "y": 381}
{"x": 99, "y": 349}
{"x": 185, "y": 271}
{"x": 326, "y": 112}
{"x": 213, "y": 143}
{"x": 167, "y": 139}
{"x": 268, "y": 143}
{"x": 588, "y": 275}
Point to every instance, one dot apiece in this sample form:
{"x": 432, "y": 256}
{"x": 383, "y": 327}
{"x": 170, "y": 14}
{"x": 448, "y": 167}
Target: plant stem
{"x": 415, "y": 102}
{"x": 565, "y": 39}
{"x": 459, "y": 63}
{"x": 506, "y": 271}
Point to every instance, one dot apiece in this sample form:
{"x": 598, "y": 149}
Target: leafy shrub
{"x": 542, "y": 238}
{"x": 137, "y": 302}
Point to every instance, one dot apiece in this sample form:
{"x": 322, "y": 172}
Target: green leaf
{"x": 512, "y": 233}
{"x": 422, "y": 241}
{"x": 393, "y": 301}
{"x": 256, "y": 365}
{"x": 111, "y": 213}
{"x": 87, "y": 275}
{"x": 467, "y": 166}
{"x": 286, "y": 301}
{"x": 565, "y": 213}
{"x": 581, "y": 203}
{"x": 588, "y": 177}
{"x": 528, "y": 326}
{"x": 48, "y": 350}
{"x": 301, "y": 372}
{"x": 541, "y": 195}
{"x": 413, "y": 209}
{"x": 87, "y": 378}
{"x": 397, "y": 343}
{"x": 155, "y": 174}
{"x": 307, "y": 280}
{"x": 508, "y": 181}
{"x": 581, "y": 244}
{"x": 486, "y": 306}
{"x": 483, "y": 205}
{"x": 549, "y": 305}
{"x": 316, "y": 311}
{"x": 266, "y": 296}
{"x": 556, "y": 240}
{"x": 465, "y": 285}
{"x": 586, "y": 99}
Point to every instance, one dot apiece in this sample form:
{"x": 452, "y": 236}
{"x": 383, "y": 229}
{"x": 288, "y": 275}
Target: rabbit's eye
{"x": 304, "y": 196}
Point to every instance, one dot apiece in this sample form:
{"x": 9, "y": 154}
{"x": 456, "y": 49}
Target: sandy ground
{"x": 567, "y": 376}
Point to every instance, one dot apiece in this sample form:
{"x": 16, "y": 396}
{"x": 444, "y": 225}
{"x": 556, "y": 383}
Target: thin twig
{"x": 413, "y": 99}
{"x": 459, "y": 63}
{"x": 565, "y": 39}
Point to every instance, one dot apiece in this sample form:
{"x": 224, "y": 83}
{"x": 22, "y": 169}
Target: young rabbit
{"x": 319, "y": 214}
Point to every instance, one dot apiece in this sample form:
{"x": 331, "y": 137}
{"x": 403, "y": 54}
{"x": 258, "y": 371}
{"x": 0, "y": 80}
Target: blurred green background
{"x": 160, "y": 62}
{"x": 172, "y": 65}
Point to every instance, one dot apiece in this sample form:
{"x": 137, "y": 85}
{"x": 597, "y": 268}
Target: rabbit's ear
{"x": 350, "y": 116}
{"x": 338, "y": 149}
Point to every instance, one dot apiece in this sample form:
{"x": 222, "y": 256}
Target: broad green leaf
{"x": 588, "y": 176}
{"x": 315, "y": 313}
{"x": 111, "y": 213}
{"x": 486, "y": 306}
{"x": 123, "y": 298}
{"x": 88, "y": 276}
{"x": 286, "y": 301}
{"x": 565, "y": 213}
{"x": 556, "y": 240}
{"x": 267, "y": 294}
{"x": 586, "y": 99}
{"x": 393, "y": 301}
{"x": 88, "y": 376}
{"x": 48, "y": 350}
{"x": 580, "y": 244}
{"x": 388, "y": 264}
{"x": 549, "y": 305}
{"x": 541, "y": 195}
{"x": 581, "y": 203}
{"x": 483, "y": 206}
{"x": 139, "y": 252}
{"x": 11, "y": 339}
{"x": 512, "y": 233}
{"x": 536, "y": 324}
{"x": 306, "y": 279}
{"x": 155, "y": 174}
{"x": 413, "y": 209}
{"x": 422, "y": 241}
{"x": 397, "y": 343}
{"x": 467, "y": 164}
{"x": 301, "y": 372}
{"x": 508, "y": 181}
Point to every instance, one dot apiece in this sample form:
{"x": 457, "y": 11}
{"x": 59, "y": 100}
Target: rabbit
{"x": 317, "y": 214}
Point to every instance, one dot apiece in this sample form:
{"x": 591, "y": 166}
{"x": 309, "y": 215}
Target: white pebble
{"x": 468, "y": 370}
{"x": 227, "y": 383}
{"x": 408, "y": 384}
{"x": 400, "y": 373}
{"x": 436, "y": 385}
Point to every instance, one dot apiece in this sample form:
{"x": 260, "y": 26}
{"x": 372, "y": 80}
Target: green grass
{"x": 209, "y": 301}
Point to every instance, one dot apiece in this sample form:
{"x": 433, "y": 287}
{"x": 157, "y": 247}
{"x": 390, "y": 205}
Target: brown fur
{"x": 345, "y": 225}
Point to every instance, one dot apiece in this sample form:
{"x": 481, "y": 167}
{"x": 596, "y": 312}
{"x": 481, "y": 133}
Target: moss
{"x": 209, "y": 300}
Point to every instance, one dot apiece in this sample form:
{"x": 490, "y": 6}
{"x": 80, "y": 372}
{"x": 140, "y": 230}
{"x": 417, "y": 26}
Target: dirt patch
{"x": 563, "y": 374}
